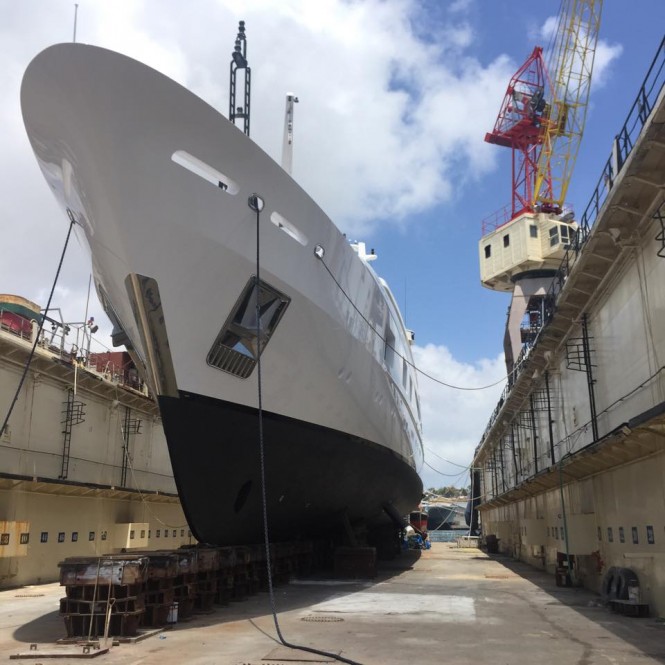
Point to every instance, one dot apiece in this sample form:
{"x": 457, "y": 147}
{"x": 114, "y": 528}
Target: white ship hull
{"x": 172, "y": 254}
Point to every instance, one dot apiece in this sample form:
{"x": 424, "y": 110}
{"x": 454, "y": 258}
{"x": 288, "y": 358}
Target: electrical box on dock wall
{"x": 14, "y": 539}
{"x": 582, "y": 534}
{"x": 535, "y": 531}
{"x": 131, "y": 535}
{"x": 502, "y": 529}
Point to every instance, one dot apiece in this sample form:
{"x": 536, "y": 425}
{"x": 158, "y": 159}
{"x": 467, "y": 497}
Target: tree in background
{"x": 449, "y": 491}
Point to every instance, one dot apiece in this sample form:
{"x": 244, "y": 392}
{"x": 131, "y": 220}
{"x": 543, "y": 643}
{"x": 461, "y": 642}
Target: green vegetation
{"x": 449, "y": 491}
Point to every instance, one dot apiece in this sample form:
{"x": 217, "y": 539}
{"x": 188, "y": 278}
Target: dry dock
{"x": 448, "y": 606}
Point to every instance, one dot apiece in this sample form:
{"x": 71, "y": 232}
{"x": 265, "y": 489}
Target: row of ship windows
{"x": 559, "y": 533}
{"x": 24, "y": 538}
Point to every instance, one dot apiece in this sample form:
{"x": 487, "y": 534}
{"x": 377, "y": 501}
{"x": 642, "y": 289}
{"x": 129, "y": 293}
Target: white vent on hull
{"x": 205, "y": 171}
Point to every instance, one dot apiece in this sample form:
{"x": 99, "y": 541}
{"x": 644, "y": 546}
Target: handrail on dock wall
{"x": 69, "y": 352}
{"x": 623, "y": 144}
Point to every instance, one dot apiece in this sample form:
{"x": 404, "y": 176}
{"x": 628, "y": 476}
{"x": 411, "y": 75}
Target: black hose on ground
{"x": 256, "y": 204}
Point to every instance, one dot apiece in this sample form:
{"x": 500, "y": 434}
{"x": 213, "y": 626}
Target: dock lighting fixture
{"x": 319, "y": 251}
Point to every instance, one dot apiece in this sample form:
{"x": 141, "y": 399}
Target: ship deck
{"x": 449, "y": 605}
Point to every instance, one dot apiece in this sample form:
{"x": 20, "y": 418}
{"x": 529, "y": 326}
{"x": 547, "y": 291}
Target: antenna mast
{"x": 239, "y": 61}
{"x": 76, "y": 12}
{"x": 287, "y": 146}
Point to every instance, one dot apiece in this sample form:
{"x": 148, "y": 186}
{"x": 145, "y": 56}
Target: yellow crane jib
{"x": 570, "y": 67}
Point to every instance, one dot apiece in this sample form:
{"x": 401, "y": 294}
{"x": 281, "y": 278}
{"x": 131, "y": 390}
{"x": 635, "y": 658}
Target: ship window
{"x": 131, "y": 534}
{"x": 142, "y": 533}
{"x": 61, "y": 536}
{"x": 182, "y": 533}
{"x": 149, "y": 533}
{"x": 205, "y": 171}
{"x": 24, "y": 539}
{"x": 636, "y": 538}
{"x": 174, "y": 533}
{"x": 158, "y": 533}
{"x": 554, "y": 236}
{"x": 650, "y": 535}
{"x": 533, "y": 230}
{"x": 237, "y": 346}
{"x": 75, "y": 536}
{"x": 43, "y": 538}
{"x": 91, "y": 535}
{"x": 506, "y": 240}
{"x": 4, "y": 539}
{"x": 104, "y": 535}
{"x": 389, "y": 351}
{"x": 488, "y": 251}
{"x": 290, "y": 229}
{"x": 622, "y": 535}
{"x": 565, "y": 233}
{"x": 610, "y": 535}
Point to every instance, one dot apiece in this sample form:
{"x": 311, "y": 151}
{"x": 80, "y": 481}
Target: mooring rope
{"x": 256, "y": 204}
{"x": 28, "y": 362}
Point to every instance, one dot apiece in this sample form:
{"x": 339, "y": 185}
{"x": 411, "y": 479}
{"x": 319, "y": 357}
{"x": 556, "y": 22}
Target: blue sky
{"x": 395, "y": 99}
{"x": 436, "y": 256}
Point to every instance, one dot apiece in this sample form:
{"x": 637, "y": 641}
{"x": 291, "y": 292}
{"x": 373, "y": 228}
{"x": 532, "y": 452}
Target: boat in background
{"x": 168, "y": 196}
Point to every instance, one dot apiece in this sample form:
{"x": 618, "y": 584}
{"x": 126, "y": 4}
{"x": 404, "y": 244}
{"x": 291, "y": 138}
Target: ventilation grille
{"x": 243, "y": 337}
{"x": 231, "y": 361}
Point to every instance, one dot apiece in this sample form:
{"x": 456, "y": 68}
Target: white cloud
{"x": 390, "y": 122}
{"x": 454, "y": 420}
{"x": 459, "y": 6}
{"x": 548, "y": 29}
{"x": 606, "y": 54}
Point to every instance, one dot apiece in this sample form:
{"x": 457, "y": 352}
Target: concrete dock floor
{"x": 450, "y": 605}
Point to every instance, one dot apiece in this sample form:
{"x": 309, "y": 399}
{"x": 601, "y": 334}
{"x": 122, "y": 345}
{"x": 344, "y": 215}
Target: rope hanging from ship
{"x": 256, "y": 203}
{"x": 319, "y": 252}
{"x": 28, "y": 362}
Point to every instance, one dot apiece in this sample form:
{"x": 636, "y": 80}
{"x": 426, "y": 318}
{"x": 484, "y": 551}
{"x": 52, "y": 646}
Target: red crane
{"x": 522, "y": 126}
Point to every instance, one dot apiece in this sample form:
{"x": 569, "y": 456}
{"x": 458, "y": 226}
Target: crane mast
{"x": 541, "y": 119}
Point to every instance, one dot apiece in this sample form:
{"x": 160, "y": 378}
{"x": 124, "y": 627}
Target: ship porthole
{"x": 241, "y": 498}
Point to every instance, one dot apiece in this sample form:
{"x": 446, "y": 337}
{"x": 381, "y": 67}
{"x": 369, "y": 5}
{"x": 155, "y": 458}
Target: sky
{"x": 395, "y": 98}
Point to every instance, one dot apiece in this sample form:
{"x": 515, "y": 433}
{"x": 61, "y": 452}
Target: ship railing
{"x": 20, "y": 331}
{"x": 74, "y": 344}
{"x": 622, "y": 146}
